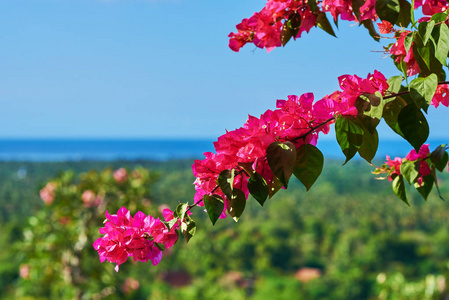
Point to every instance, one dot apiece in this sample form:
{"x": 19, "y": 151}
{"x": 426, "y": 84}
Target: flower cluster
{"x": 399, "y": 53}
{"x": 264, "y": 27}
{"x": 424, "y": 168}
{"x": 47, "y": 194}
{"x": 441, "y": 96}
{"x": 298, "y": 120}
{"x": 140, "y": 236}
{"x": 431, "y": 7}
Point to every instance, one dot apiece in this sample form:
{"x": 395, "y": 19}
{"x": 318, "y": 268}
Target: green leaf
{"x": 369, "y": 146}
{"x": 399, "y": 188}
{"x": 236, "y": 204}
{"x": 323, "y": 23}
{"x": 258, "y": 188}
{"x": 214, "y": 206}
{"x": 413, "y": 125}
{"x": 188, "y": 229}
{"x": 429, "y": 29}
{"x": 281, "y": 158}
{"x": 388, "y": 10}
{"x": 439, "y": 158}
{"x": 408, "y": 41}
{"x": 404, "y": 14}
{"x": 395, "y": 84}
{"x": 247, "y": 167}
{"x": 225, "y": 181}
{"x": 442, "y": 48}
{"x": 425, "y": 187}
{"x": 171, "y": 223}
{"x": 309, "y": 164}
{"x": 410, "y": 170}
{"x": 180, "y": 211}
{"x": 349, "y": 135}
{"x": 439, "y": 17}
{"x": 422, "y": 90}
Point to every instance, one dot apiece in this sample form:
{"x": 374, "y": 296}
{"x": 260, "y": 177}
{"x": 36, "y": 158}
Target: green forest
{"x": 349, "y": 237}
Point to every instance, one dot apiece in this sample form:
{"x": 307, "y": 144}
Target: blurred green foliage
{"x": 329, "y": 243}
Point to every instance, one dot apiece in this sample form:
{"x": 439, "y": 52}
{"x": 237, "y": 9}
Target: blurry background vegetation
{"x": 347, "y": 238}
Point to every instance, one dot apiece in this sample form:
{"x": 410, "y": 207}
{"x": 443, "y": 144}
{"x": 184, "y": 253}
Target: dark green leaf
{"x": 274, "y": 187}
{"x": 258, "y": 188}
{"x": 410, "y": 170}
{"x": 226, "y": 182}
{"x": 313, "y": 6}
{"x": 281, "y": 158}
{"x": 413, "y": 125}
{"x": 236, "y": 204}
{"x": 388, "y": 10}
{"x": 439, "y": 158}
{"x": 349, "y": 135}
{"x": 290, "y": 28}
{"x": 323, "y": 23}
{"x": 214, "y": 206}
{"x": 391, "y": 113}
{"x": 404, "y": 14}
{"x": 425, "y": 187}
{"x": 399, "y": 188}
{"x": 369, "y": 146}
{"x": 309, "y": 164}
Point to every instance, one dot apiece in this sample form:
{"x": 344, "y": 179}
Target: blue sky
{"x": 161, "y": 68}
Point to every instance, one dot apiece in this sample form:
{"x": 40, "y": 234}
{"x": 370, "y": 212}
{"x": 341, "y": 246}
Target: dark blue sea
{"x": 150, "y": 149}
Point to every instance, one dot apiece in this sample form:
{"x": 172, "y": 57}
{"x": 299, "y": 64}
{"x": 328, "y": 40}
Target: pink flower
{"x": 121, "y": 175}
{"x": 399, "y": 54}
{"x": 24, "y": 271}
{"x": 441, "y": 96}
{"x": 130, "y": 285}
{"x": 385, "y": 27}
{"x": 90, "y": 199}
{"x": 126, "y": 236}
{"x": 395, "y": 166}
{"x": 47, "y": 194}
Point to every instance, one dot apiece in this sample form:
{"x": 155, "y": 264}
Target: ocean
{"x": 151, "y": 149}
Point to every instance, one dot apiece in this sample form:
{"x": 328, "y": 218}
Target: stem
{"x": 406, "y": 92}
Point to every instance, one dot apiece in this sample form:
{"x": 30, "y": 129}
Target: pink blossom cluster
{"x": 421, "y": 156}
{"x": 399, "y": 53}
{"x": 90, "y": 199}
{"x": 47, "y": 194}
{"x": 431, "y": 7}
{"x": 264, "y": 27}
{"x": 136, "y": 236}
{"x": 441, "y": 96}
{"x": 297, "y": 119}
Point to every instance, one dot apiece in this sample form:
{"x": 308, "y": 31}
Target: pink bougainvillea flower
{"x": 126, "y": 236}
{"x": 121, "y": 175}
{"x": 47, "y": 194}
{"x": 441, "y": 96}
{"x": 385, "y": 27}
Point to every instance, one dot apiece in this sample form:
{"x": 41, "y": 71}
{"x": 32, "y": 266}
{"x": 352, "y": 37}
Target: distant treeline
{"x": 329, "y": 243}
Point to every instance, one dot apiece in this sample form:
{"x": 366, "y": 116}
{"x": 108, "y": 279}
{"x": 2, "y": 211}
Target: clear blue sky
{"x": 161, "y": 68}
